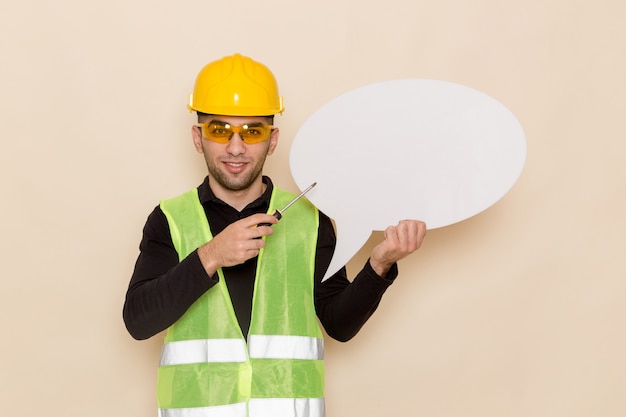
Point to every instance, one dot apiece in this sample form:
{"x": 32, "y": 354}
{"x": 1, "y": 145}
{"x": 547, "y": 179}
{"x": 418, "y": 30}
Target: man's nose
{"x": 235, "y": 145}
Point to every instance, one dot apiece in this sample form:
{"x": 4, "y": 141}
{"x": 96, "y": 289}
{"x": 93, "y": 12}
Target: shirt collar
{"x": 206, "y": 195}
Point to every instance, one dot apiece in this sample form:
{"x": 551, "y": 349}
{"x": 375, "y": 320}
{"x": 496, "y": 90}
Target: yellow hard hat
{"x": 236, "y": 86}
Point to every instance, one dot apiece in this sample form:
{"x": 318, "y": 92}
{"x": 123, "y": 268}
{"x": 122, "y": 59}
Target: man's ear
{"x": 196, "y": 134}
{"x": 273, "y": 140}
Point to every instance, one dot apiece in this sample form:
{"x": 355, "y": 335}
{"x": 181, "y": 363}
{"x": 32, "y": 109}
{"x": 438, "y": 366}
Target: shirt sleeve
{"x": 161, "y": 288}
{"x": 343, "y": 307}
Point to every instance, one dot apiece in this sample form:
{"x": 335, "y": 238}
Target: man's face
{"x": 235, "y": 165}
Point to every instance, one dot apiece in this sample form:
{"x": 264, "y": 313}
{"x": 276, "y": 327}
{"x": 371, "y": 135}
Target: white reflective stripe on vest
{"x": 203, "y": 351}
{"x": 286, "y": 347}
{"x": 258, "y": 407}
{"x": 231, "y": 410}
{"x": 286, "y": 407}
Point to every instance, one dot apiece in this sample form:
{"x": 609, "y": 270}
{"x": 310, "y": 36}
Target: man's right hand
{"x": 237, "y": 243}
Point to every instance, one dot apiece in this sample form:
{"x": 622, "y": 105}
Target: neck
{"x": 238, "y": 199}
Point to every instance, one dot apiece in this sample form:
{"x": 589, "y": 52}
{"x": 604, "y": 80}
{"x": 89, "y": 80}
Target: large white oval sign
{"x": 406, "y": 149}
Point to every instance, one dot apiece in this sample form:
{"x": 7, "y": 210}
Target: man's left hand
{"x": 399, "y": 241}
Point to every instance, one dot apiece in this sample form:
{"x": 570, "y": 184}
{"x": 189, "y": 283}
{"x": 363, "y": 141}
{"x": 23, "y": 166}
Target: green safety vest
{"x": 207, "y": 368}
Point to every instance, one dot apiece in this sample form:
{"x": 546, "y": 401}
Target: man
{"x": 239, "y": 291}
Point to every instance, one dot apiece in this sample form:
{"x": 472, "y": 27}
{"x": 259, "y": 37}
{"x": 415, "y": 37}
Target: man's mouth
{"x": 235, "y": 167}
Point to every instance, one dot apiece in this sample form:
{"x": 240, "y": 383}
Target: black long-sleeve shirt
{"x": 162, "y": 288}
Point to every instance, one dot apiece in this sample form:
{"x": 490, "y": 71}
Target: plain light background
{"x": 515, "y": 312}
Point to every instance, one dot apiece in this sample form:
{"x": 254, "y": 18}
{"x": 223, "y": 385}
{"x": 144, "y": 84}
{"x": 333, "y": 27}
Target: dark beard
{"x": 236, "y": 183}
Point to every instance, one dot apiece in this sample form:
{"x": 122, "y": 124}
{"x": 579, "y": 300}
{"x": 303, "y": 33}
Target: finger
{"x": 419, "y": 234}
{"x": 402, "y": 229}
{"x": 412, "y": 234}
{"x": 251, "y": 248}
{"x": 261, "y": 231}
{"x": 391, "y": 235}
{"x": 259, "y": 218}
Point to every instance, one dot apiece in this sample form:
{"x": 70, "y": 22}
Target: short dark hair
{"x": 204, "y": 116}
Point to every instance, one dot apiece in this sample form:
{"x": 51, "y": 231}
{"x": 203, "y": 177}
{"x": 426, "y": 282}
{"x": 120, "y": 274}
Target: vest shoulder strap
{"x": 188, "y": 224}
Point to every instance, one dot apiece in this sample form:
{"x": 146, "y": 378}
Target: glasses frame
{"x": 206, "y": 134}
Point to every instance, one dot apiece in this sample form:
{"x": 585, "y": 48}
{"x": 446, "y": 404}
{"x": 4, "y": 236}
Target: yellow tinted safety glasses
{"x": 250, "y": 133}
